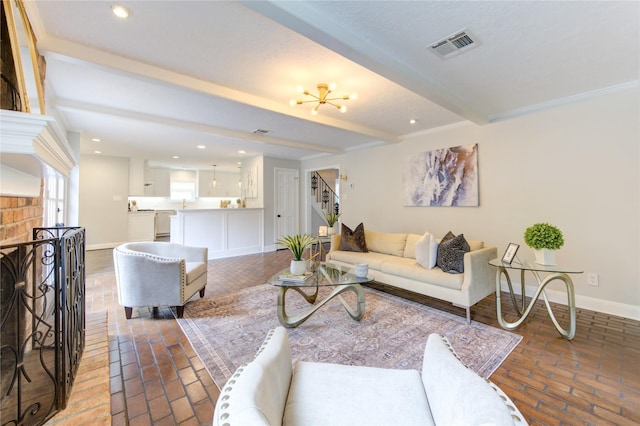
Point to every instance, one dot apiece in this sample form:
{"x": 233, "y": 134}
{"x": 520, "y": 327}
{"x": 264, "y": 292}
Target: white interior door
{"x": 286, "y": 202}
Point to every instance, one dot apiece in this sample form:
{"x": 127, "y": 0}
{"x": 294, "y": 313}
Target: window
{"x": 54, "y": 200}
{"x": 183, "y": 190}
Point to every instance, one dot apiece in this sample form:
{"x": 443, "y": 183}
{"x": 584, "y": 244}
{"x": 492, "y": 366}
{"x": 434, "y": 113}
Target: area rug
{"x": 225, "y": 332}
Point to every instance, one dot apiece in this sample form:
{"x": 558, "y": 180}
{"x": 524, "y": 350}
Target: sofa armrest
{"x": 257, "y": 392}
{"x": 335, "y": 243}
{"x": 479, "y": 276}
{"x": 457, "y": 395}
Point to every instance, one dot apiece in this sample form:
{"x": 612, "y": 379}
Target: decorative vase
{"x": 298, "y": 267}
{"x": 331, "y": 230}
{"x": 545, "y": 257}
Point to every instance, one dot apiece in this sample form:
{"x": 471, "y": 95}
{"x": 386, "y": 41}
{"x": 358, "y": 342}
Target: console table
{"x": 555, "y": 272}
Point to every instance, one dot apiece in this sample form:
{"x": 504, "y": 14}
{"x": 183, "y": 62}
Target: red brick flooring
{"x": 155, "y": 377}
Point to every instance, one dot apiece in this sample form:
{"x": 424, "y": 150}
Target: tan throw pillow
{"x": 353, "y": 240}
{"x": 427, "y": 251}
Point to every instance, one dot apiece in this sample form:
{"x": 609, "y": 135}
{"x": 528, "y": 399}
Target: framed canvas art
{"x": 442, "y": 177}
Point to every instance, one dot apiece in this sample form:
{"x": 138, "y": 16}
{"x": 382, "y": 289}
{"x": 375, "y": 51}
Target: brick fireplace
{"x": 18, "y": 216}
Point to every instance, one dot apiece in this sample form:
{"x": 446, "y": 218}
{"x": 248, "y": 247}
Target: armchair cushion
{"x": 355, "y": 395}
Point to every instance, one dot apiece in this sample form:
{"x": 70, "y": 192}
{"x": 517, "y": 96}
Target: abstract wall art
{"x": 442, "y": 177}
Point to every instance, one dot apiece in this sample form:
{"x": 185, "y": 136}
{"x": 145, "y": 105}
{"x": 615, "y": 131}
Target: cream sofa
{"x": 269, "y": 391}
{"x": 392, "y": 261}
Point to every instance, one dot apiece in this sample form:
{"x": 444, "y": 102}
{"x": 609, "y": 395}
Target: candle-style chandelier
{"x": 324, "y": 90}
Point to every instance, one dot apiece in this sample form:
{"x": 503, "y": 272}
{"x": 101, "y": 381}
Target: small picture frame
{"x": 323, "y": 231}
{"x": 510, "y": 253}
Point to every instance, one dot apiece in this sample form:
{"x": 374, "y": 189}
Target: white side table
{"x": 554, "y": 272}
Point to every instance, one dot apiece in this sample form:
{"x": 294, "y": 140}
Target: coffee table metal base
{"x": 290, "y": 322}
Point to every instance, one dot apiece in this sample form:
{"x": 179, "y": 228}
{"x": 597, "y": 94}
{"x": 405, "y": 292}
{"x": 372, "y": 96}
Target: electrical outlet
{"x": 592, "y": 279}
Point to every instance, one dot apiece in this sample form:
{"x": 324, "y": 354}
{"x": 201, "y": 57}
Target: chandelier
{"x": 324, "y": 90}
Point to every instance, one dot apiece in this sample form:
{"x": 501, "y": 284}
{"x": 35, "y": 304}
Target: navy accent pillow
{"x": 451, "y": 253}
{"x": 353, "y": 240}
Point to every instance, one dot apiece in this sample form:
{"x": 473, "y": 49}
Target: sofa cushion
{"x": 373, "y": 259}
{"x": 456, "y": 394}
{"x": 332, "y": 394}
{"x": 353, "y": 240}
{"x": 409, "y": 268}
{"x": 427, "y": 251}
{"x": 451, "y": 253}
{"x": 386, "y": 243}
{"x": 256, "y": 393}
{"x": 410, "y": 247}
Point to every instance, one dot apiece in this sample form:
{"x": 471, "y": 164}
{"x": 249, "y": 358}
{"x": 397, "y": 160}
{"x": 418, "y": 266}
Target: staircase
{"x": 324, "y": 197}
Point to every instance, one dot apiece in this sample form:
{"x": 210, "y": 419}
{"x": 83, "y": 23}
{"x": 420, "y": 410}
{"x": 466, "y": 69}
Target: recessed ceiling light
{"x": 175, "y": 157}
{"x": 120, "y": 11}
{"x": 201, "y": 147}
{"x": 412, "y": 121}
{"x": 97, "y": 152}
{"x": 96, "y": 140}
{"x": 242, "y": 152}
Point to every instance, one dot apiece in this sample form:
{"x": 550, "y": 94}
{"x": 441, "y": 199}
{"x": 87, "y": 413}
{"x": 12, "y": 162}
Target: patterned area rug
{"x": 226, "y": 331}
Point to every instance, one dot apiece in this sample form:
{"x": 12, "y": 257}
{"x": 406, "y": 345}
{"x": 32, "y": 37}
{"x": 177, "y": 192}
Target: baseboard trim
{"x": 585, "y": 302}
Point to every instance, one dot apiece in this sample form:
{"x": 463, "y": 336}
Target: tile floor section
{"x": 155, "y": 377}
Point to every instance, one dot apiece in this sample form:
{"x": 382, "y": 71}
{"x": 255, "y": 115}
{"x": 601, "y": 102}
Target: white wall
{"x": 104, "y": 186}
{"x": 575, "y": 166}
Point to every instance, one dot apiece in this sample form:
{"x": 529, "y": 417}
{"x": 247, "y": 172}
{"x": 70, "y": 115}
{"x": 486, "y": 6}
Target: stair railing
{"x": 324, "y": 194}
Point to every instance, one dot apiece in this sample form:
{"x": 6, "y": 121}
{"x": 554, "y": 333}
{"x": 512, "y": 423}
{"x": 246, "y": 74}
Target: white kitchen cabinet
{"x": 136, "y": 176}
{"x": 226, "y": 184}
{"x": 142, "y": 226}
{"x": 157, "y": 182}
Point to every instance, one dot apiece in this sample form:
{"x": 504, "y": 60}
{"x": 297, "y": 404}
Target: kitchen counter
{"x": 225, "y": 232}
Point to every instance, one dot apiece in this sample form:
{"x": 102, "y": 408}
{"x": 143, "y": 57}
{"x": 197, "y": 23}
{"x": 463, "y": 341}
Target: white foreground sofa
{"x": 268, "y": 391}
{"x": 392, "y": 261}
{"x": 159, "y": 274}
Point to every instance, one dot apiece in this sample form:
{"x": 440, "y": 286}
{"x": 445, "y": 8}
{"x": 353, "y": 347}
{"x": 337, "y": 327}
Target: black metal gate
{"x": 42, "y": 319}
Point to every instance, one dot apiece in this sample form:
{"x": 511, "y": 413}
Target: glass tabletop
{"x": 324, "y": 275}
{"x": 529, "y": 265}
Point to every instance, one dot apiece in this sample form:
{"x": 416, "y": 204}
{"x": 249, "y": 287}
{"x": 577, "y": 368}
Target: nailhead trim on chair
{"x": 225, "y": 394}
{"x": 505, "y": 399}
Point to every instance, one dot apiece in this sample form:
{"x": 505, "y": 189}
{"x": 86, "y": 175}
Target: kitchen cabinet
{"x": 226, "y": 184}
{"x": 142, "y": 226}
{"x": 136, "y": 176}
{"x": 157, "y": 182}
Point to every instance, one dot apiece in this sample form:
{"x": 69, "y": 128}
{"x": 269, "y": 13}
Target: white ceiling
{"x": 177, "y": 74}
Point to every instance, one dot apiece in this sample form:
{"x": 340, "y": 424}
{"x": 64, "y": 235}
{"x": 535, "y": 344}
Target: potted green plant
{"x": 544, "y": 239}
{"x": 297, "y": 244}
{"x": 332, "y": 219}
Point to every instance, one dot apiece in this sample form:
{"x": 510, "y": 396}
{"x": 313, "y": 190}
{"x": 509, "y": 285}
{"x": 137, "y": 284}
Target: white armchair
{"x": 159, "y": 274}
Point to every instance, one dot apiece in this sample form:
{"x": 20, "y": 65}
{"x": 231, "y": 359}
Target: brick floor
{"x": 155, "y": 377}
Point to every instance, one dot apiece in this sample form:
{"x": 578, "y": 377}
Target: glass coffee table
{"x": 341, "y": 278}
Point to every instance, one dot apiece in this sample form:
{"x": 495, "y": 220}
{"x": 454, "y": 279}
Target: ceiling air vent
{"x": 454, "y": 44}
{"x": 261, "y": 132}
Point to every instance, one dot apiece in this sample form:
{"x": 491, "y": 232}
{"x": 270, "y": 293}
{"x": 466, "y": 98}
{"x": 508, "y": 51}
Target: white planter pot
{"x": 331, "y": 230}
{"x": 545, "y": 257}
{"x": 298, "y": 267}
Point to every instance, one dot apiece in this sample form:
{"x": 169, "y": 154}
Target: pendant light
{"x": 213, "y": 182}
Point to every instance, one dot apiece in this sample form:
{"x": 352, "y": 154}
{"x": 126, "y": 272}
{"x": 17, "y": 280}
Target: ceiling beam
{"x": 75, "y": 106}
{"x": 70, "y": 51}
{"x": 305, "y": 19}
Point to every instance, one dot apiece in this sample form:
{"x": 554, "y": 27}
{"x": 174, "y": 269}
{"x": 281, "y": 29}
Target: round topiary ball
{"x": 543, "y": 236}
